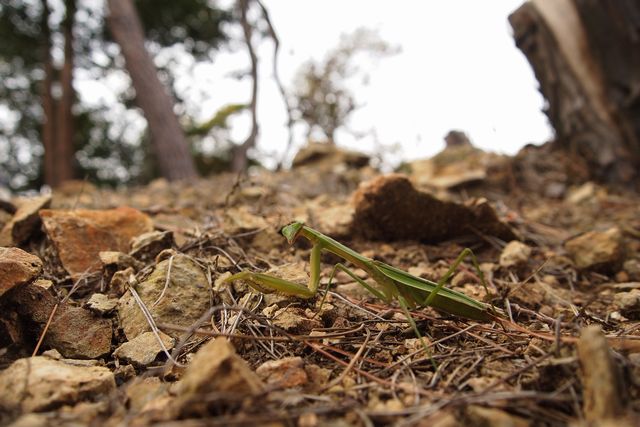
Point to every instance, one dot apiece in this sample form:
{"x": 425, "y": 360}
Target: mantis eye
{"x": 290, "y": 232}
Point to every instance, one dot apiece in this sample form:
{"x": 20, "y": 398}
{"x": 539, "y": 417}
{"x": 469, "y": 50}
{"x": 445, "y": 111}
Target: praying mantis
{"x": 409, "y": 290}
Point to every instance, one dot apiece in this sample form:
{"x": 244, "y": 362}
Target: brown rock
{"x": 17, "y": 267}
{"x": 40, "y": 383}
{"x": 284, "y": 373}
{"x": 390, "y": 208}
{"x": 185, "y": 299}
{"x": 25, "y": 221}
{"x": 80, "y": 235}
{"x": 143, "y": 349}
{"x": 215, "y": 373}
{"x": 597, "y": 250}
{"x": 76, "y": 333}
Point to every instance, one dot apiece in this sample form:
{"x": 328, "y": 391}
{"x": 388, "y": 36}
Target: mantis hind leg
{"x": 414, "y": 326}
{"x": 465, "y": 253}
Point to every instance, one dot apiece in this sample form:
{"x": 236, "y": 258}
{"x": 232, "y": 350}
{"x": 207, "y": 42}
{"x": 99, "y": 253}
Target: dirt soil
{"x": 560, "y": 257}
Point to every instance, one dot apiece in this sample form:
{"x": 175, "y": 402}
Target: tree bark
{"x": 240, "y": 160}
{"x": 168, "y": 140}
{"x": 586, "y": 56}
{"x": 48, "y": 104}
{"x": 64, "y": 147}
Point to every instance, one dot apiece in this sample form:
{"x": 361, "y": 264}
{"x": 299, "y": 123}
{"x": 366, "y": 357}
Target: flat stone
{"x": 185, "y": 299}
{"x": 80, "y": 235}
{"x": 39, "y": 383}
{"x": 101, "y": 303}
{"x": 597, "y": 250}
{"x": 76, "y": 333}
{"x": 17, "y": 267}
{"x": 25, "y": 221}
{"x": 143, "y": 349}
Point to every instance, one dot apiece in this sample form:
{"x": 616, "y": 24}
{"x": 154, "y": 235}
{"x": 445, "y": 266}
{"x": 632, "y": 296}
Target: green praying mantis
{"x": 410, "y": 291}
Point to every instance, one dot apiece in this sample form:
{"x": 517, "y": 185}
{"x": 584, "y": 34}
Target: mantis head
{"x": 290, "y": 232}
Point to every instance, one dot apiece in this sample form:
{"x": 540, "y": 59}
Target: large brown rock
{"x": 17, "y": 267}
{"x": 25, "y": 221}
{"x": 597, "y": 250}
{"x": 41, "y": 383}
{"x": 215, "y": 373}
{"x": 185, "y": 298}
{"x": 80, "y": 235}
{"x": 390, "y": 208}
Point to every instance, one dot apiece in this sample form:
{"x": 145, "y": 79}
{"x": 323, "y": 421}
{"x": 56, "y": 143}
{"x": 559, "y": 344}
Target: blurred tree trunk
{"x": 240, "y": 160}
{"x": 48, "y": 104}
{"x": 586, "y": 56}
{"x": 167, "y": 138}
{"x": 64, "y": 146}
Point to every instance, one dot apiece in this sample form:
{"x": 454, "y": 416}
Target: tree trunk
{"x": 586, "y": 56}
{"x": 167, "y": 138}
{"x": 240, "y": 160}
{"x": 48, "y": 105}
{"x": 64, "y": 147}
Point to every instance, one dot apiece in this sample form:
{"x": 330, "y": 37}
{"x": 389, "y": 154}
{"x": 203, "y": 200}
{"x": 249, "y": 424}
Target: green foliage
{"x": 107, "y": 153}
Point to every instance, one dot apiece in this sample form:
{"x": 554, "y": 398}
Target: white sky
{"x": 458, "y": 68}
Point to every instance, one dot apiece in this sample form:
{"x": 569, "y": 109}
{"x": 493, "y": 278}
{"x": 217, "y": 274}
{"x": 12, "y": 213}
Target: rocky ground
{"x": 114, "y": 309}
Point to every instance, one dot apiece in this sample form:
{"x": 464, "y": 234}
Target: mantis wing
{"x": 447, "y": 300}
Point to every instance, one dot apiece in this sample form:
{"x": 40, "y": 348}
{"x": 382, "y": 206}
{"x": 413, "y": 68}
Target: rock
{"x": 291, "y": 319}
{"x": 80, "y": 235}
{"x": 35, "y": 301}
{"x": 185, "y": 299}
{"x": 240, "y": 220}
{"x": 76, "y": 333}
{"x": 141, "y": 392}
{"x": 515, "y": 254}
{"x": 628, "y": 303}
{"x": 283, "y": 373}
{"x": 101, "y": 303}
{"x": 25, "y": 221}
{"x": 454, "y": 166}
{"x": 118, "y": 260}
{"x": 603, "y": 395}
{"x": 17, "y": 267}
{"x": 39, "y": 383}
{"x": 597, "y": 250}
{"x": 329, "y": 155}
{"x": 147, "y": 246}
{"x": 215, "y": 373}
{"x": 143, "y": 349}
{"x": 390, "y": 208}
{"x": 586, "y": 191}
